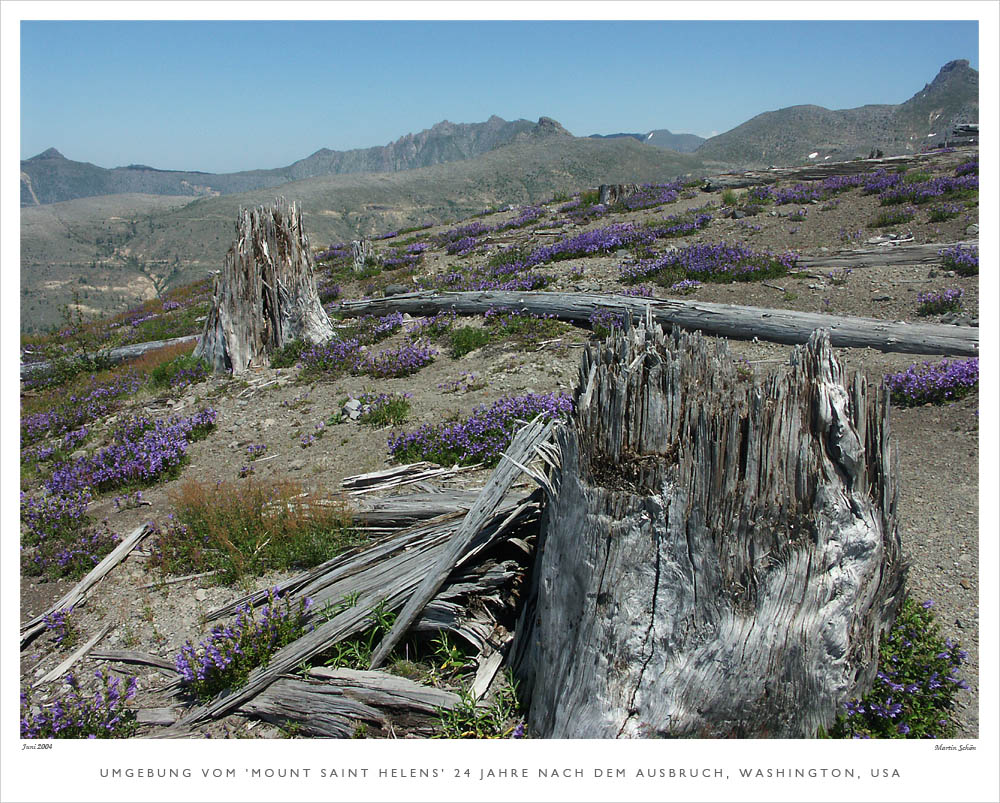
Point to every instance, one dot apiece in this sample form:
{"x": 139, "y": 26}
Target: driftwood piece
{"x": 918, "y": 254}
{"x": 156, "y": 716}
{"x": 721, "y": 556}
{"x": 266, "y": 294}
{"x": 60, "y": 670}
{"x": 728, "y": 320}
{"x": 78, "y": 593}
{"x": 332, "y": 702}
{"x": 520, "y": 451}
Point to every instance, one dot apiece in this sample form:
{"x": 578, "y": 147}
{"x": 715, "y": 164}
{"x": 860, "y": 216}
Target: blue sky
{"x": 223, "y": 96}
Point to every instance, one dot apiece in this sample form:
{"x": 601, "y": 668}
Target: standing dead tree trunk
{"x": 265, "y": 295}
{"x": 362, "y": 252}
{"x": 719, "y": 556}
{"x": 613, "y": 193}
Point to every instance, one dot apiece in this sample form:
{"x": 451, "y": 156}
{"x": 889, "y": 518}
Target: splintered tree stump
{"x": 265, "y": 295}
{"x": 613, "y": 193}
{"x": 719, "y": 556}
{"x": 362, "y": 252}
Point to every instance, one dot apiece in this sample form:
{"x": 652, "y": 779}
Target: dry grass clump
{"x": 246, "y": 528}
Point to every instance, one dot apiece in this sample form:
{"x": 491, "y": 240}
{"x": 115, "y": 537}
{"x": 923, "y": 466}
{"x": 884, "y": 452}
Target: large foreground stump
{"x": 265, "y": 295}
{"x": 720, "y": 553}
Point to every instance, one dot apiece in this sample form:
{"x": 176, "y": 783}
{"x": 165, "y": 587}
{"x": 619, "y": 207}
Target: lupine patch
{"x": 964, "y": 260}
{"x": 482, "y": 436}
{"x": 225, "y": 659}
{"x": 722, "y": 262}
{"x": 924, "y": 191}
{"x": 947, "y": 300}
{"x": 928, "y": 383}
{"x": 73, "y": 716}
{"x": 143, "y": 450}
{"x": 916, "y": 685}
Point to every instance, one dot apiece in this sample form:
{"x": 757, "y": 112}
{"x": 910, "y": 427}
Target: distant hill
{"x": 788, "y": 136}
{"x": 118, "y": 250}
{"x": 50, "y": 177}
{"x": 661, "y": 138}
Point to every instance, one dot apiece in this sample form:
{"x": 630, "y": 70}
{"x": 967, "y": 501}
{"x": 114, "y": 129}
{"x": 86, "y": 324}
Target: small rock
{"x": 297, "y": 465}
{"x": 773, "y": 213}
{"x": 738, "y": 214}
{"x": 78, "y": 454}
{"x": 964, "y": 583}
{"x": 267, "y": 423}
{"x": 200, "y": 594}
{"x": 352, "y": 404}
{"x": 950, "y": 274}
{"x": 932, "y": 274}
{"x": 959, "y": 625}
{"x": 881, "y": 298}
{"x": 972, "y": 230}
{"x": 234, "y": 445}
{"x": 396, "y": 289}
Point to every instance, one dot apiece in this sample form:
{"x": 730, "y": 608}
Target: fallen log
{"x": 720, "y": 557}
{"x": 918, "y": 254}
{"x": 114, "y": 355}
{"x": 728, "y": 320}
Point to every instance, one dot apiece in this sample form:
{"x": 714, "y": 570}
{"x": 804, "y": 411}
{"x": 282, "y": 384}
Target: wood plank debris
{"x": 520, "y": 451}
{"x": 60, "y": 670}
{"x": 78, "y": 594}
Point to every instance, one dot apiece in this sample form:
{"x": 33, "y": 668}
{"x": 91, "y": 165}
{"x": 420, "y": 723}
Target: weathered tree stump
{"x": 265, "y": 295}
{"x": 613, "y": 193}
{"x": 720, "y": 553}
{"x": 362, "y": 252}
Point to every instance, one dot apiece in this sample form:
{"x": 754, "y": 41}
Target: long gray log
{"x": 729, "y": 320}
{"x": 721, "y": 556}
{"x": 117, "y": 354}
{"x": 520, "y": 452}
{"x": 915, "y": 254}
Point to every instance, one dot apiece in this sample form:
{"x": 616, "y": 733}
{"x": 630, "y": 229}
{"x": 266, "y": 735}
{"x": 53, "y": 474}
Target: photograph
{"x": 500, "y": 389}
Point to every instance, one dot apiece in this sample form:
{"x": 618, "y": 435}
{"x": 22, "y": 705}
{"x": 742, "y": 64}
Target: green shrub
{"x": 466, "y": 339}
{"x": 288, "y": 355}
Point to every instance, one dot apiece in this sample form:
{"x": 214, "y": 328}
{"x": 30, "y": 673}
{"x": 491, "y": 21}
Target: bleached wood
{"x": 386, "y": 574}
{"x": 60, "y": 670}
{"x": 265, "y": 296}
{"x": 332, "y": 702}
{"x": 721, "y": 557}
{"x": 729, "y": 320}
{"x": 883, "y": 256}
{"x": 78, "y": 593}
{"x": 133, "y": 657}
{"x": 520, "y": 450}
